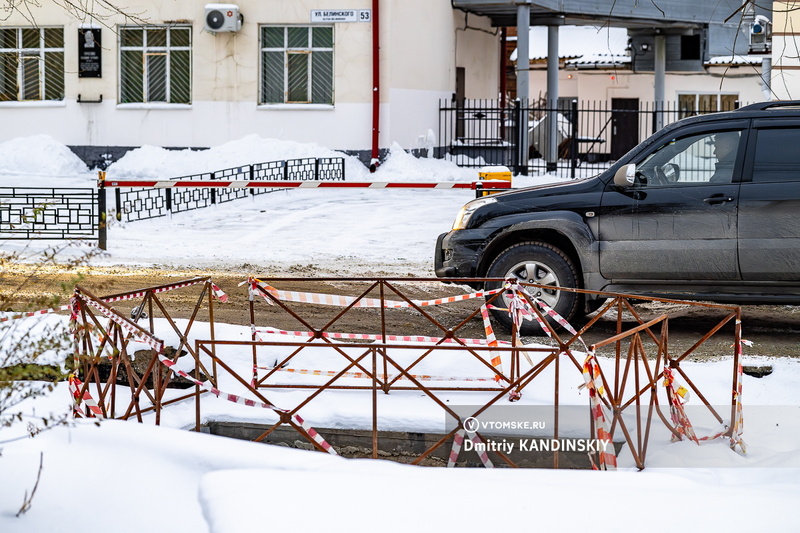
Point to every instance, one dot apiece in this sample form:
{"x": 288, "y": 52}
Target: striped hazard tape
{"x": 491, "y": 340}
{"x": 602, "y": 423}
{"x": 351, "y": 301}
{"x": 366, "y": 336}
{"x": 218, "y": 293}
{"x": 458, "y": 441}
{"x": 679, "y": 395}
{"x": 738, "y": 423}
{"x": 79, "y": 397}
{"x": 382, "y": 377}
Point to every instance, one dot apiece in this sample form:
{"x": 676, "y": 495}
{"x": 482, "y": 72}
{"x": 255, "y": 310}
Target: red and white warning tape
{"x": 380, "y": 338}
{"x": 491, "y": 339}
{"x": 134, "y": 330}
{"x": 602, "y": 423}
{"x": 218, "y": 293}
{"x": 381, "y": 377}
{"x": 310, "y": 184}
{"x": 679, "y": 395}
{"x": 75, "y": 387}
{"x": 458, "y": 441}
{"x": 345, "y": 301}
{"x": 738, "y": 423}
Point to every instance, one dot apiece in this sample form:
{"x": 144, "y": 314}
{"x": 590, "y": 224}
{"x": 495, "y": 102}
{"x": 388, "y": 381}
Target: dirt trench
{"x": 773, "y": 330}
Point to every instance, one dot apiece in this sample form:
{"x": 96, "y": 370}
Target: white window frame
{"x": 148, "y": 50}
{"x": 38, "y": 54}
{"x": 287, "y": 51}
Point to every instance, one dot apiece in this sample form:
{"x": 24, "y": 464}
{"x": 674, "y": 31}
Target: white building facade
{"x": 302, "y": 70}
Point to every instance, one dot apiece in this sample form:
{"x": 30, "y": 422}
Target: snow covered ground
{"x": 128, "y": 477}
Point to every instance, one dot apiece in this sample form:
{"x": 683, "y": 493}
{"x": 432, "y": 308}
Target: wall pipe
{"x": 376, "y": 82}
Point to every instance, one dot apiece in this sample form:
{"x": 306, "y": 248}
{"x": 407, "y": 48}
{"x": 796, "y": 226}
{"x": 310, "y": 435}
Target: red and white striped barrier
{"x": 310, "y": 184}
{"x": 352, "y": 301}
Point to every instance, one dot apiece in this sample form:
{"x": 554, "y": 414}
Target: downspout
{"x": 376, "y": 82}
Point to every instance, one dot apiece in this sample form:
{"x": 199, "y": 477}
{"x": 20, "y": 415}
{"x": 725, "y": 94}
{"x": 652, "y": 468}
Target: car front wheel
{"x": 541, "y": 264}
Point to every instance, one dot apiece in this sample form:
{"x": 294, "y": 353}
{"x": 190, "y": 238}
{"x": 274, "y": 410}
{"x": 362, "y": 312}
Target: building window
{"x": 699, "y": 104}
{"x": 155, "y": 64}
{"x": 31, "y": 64}
{"x": 296, "y": 65}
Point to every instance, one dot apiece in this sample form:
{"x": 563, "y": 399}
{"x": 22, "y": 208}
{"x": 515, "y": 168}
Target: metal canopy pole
{"x": 552, "y": 98}
{"x": 523, "y": 80}
{"x": 660, "y": 77}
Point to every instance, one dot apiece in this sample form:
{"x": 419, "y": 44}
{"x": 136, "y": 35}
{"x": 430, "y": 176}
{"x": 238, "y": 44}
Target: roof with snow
{"x": 734, "y": 61}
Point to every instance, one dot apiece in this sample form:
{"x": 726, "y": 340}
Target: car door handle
{"x": 717, "y": 199}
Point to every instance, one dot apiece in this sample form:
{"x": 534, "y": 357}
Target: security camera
{"x": 760, "y": 35}
{"x": 760, "y": 25}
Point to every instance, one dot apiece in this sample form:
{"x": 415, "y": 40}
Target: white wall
{"x": 602, "y": 86}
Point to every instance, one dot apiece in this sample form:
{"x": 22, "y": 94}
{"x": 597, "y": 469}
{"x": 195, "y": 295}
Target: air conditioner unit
{"x": 223, "y": 17}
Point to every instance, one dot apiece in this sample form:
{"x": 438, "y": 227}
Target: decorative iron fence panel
{"x": 48, "y": 213}
{"x": 589, "y": 135}
{"x": 142, "y": 204}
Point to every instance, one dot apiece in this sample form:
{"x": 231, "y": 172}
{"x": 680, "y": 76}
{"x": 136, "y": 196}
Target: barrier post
{"x": 102, "y": 225}
{"x": 573, "y": 143}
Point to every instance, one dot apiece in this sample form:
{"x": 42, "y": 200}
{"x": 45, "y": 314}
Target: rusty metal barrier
{"x": 625, "y": 372}
{"x": 103, "y": 339}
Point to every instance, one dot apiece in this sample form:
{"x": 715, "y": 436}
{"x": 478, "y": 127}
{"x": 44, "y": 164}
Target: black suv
{"x": 705, "y": 209}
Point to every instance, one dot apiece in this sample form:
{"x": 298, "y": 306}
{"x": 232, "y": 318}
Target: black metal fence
{"x": 48, "y": 213}
{"x": 588, "y": 135}
{"x": 142, "y": 204}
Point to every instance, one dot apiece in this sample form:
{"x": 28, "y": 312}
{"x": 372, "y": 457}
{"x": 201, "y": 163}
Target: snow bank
{"x": 402, "y": 166}
{"x": 159, "y": 163}
{"x": 39, "y": 155}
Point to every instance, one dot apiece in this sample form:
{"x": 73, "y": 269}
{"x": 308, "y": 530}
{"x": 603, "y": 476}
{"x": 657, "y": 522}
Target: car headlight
{"x": 466, "y": 212}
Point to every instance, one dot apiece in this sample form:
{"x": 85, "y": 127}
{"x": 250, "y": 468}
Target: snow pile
{"x": 39, "y": 155}
{"x": 402, "y": 166}
{"x": 159, "y": 163}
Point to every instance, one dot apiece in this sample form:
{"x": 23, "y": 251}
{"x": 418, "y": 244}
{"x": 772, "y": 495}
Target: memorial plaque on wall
{"x": 89, "y": 65}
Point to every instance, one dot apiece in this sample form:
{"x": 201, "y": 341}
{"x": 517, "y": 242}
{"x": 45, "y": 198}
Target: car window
{"x": 699, "y": 159}
{"x": 776, "y": 156}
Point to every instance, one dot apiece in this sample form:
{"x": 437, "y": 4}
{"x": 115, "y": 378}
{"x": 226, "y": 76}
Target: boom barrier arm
{"x": 484, "y": 185}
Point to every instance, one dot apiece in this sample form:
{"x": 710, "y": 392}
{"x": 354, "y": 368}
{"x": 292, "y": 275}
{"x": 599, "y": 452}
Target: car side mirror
{"x": 625, "y": 176}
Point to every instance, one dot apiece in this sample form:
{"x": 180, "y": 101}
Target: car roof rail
{"x": 761, "y": 106}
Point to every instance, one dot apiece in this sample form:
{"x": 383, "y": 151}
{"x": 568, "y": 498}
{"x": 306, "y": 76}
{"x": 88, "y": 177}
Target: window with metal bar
{"x": 31, "y": 64}
{"x": 155, "y": 64}
{"x": 296, "y": 65}
{"x": 690, "y": 104}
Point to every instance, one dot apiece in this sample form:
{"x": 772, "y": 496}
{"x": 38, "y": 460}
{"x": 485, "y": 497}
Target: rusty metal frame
{"x": 630, "y": 373}
{"x": 102, "y": 335}
{"x": 631, "y": 364}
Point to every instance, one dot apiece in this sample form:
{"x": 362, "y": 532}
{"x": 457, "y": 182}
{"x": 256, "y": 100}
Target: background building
{"x": 303, "y": 70}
